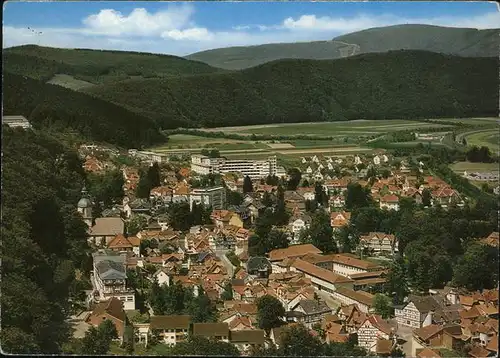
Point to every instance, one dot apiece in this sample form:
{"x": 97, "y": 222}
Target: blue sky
{"x": 181, "y": 28}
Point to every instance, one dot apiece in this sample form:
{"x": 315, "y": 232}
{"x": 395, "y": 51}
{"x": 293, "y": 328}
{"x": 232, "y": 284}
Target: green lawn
{"x": 140, "y": 350}
{"x": 369, "y": 127}
{"x": 487, "y": 138}
{"x": 460, "y": 167}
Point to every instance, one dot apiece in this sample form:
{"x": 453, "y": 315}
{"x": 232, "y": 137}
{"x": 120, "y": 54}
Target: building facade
{"x": 210, "y": 197}
{"x": 255, "y": 169}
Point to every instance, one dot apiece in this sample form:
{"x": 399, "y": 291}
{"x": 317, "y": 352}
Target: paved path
{"x": 229, "y": 266}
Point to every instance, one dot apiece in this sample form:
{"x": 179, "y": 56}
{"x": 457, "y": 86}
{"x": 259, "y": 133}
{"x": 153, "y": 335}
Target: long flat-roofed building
{"x": 255, "y": 169}
{"x": 16, "y": 121}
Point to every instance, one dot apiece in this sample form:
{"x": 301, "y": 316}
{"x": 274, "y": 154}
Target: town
{"x": 259, "y": 249}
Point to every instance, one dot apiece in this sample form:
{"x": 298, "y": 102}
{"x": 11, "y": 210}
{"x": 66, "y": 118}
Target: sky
{"x": 181, "y": 28}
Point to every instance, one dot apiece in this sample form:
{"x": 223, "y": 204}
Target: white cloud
{"x": 173, "y": 30}
{"x": 192, "y": 34}
{"x": 139, "y": 21}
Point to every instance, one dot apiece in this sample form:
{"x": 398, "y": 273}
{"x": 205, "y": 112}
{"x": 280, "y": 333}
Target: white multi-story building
{"x": 16, "y": 121}
{"x": 255, "y": 169}
{"x": 109, "y": 278}
{"x": 214, "y": 197}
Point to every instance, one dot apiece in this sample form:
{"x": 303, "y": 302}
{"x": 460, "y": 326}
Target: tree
{"x": 311, "y": 206}
{"x": 144, "y": 185}
{"x": 295, "y": 176}
{"x": 319, "y": 194}
{"x": 320, "y": 232}
{"x": 267, "y": 201}
{"x": 201, "y": 346}
{"x": 269, "y": 312}
{"x": 129, "y": 339}
{"x": 196, "y": 214}
{"x": 272, "y": 180}
{"x": 357, "y": 197}
{"x": 180, "y": 216}
{"x": 281, "y": 216}
{"x": 397, "y": 282}
{"x": 247, "y": 185}
{"x": 154, "y": 175}
{"x": 382, "y": 305}
{"x": 426, "y": 197}
{"x": 233, "y": 197}
{"x": 136, "y": 224}
{"x": 98, "y": 340}
{"x": 276, "y": 240}
{"x": 227, "y": 295}
{"x": 256, "y": 246}
{"x": 214, "y": 153}
{"x": 264, "y": 223}
{"x": 200, "y": 308}
{"x": 477, "y": 268}
{"x": 297, "y": 341}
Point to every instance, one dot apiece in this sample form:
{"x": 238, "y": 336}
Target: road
{"x": 221, "y": 253}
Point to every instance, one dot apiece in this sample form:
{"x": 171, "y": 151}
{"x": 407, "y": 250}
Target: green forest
{"x": 371, "y": 86}
{"x": 44, "y": 241}
{"x": 455, "y": 41}
{"x": 51, "y": 106}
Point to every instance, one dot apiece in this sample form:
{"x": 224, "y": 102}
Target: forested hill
{"x": 96, "y": 66}
{"x": 447, "y": 40}
{"x": 397, "y": 84}
{"x": 43, "y": 241}
{"x": 47, "y": 105}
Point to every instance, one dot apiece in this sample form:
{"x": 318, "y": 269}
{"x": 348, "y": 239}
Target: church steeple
{"x": 85, "y": 207}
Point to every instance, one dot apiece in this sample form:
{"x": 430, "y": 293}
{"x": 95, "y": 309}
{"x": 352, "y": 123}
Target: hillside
{"x": 398, "y": 84}
{"x": 447, "y": 40}
{"x": 96, "y": 66}
{"x": 47, "y": 105}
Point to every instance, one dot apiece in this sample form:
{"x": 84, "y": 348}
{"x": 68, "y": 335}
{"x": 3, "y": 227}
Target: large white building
{"x": 214, "y": 197}
{"x": 109, "y": 278}
{"x": 16, "y": 121}
{"x": 255, "y": 169}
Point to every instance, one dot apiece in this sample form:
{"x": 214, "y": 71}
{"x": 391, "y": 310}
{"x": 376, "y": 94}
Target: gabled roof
{"x": 428, "y": 332}
{"x": 107, "y": 227}
{"x": 312, "y": 307}
{"x": 478, "y": 352}
{"x": 293, "y": 251}
{"x": 319, "y": 272}
{"x": 383, "y": 346}
{"x": 210, "y": 329}
{"x": 113, "y": 307}
{"x": 120, "y": 241}
{"x": 358, "y": 296}
{"x": 170, "y": 322}
{"x": 428, "y": 353}
{"x": 254, "y": 336}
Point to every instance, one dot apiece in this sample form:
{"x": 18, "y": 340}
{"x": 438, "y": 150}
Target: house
{"x": 308, "y": 193}
{"x": 418, "y": 311}
{"x": 339, "y": 219}
{"x": 362, "y": 299}
{"x": 428, "y": 353}
{"x": 357, "y": 160}
{"x": 105, "y": 230}
{"x": 259, "y": 266}
{"x": 310, "y": 312}
{"x": 491, "y": 240}
{"x": 389, "y": 202}
{"x": 123, "y": 244}
{"x": 337, "y": 201}
{"x": 292, "y": 251}
{"x": 170, "y": 329}
{"x": 112, "y": 310}
{"x": 162, "y": 276}
{"x": 376, "y": 160}
{"x": 247, "y": 339}
{"x": 299, "y": 223}
{"x": 379, "y": 243}
{"x": 109, "y": 278}
{"x": 163, "y": 193}
{"x": 428, "y": 336}
{"x": 217, "y": 331}
{"x": 222, "y": 218}
{"x": 321, "y": 279}
{"x": 309, "y": 170}
{"x": 446, "y": 196}
{"x": 373, "y": 329}
{"x": 347, "y": 265}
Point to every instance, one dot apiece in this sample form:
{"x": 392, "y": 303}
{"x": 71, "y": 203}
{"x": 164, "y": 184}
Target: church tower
{"x": 85, "y": 207}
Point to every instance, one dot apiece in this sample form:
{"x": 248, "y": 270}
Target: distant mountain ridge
{"x": 464, "y": 42}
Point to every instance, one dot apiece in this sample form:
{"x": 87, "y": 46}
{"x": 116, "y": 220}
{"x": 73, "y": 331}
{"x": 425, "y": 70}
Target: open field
{"x": 489, "y": 138}
{"x": 69, "y": 82}
{"x": 460, "y": 167}
{"x": 344, "y": 128}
